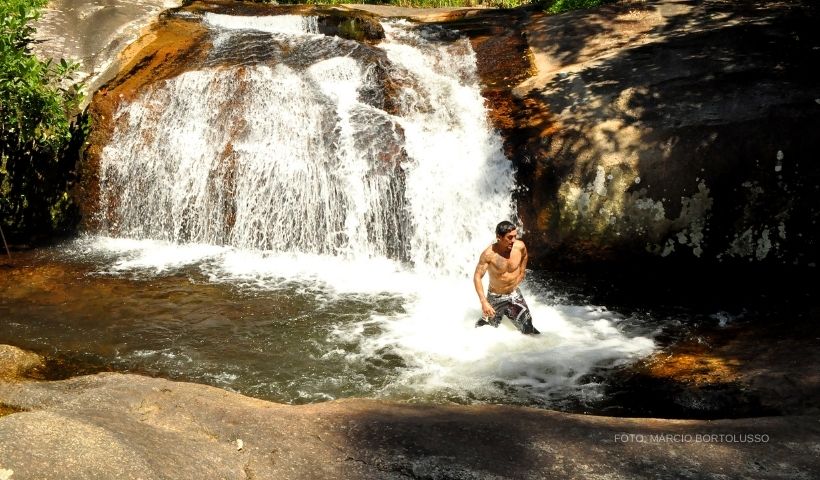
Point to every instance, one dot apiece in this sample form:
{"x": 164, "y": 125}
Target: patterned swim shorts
{"x": 513, "y": 306}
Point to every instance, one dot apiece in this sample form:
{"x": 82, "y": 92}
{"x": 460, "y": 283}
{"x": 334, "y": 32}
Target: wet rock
{"x": 745, "y": 370}
{"x": 341, "y": 22}
{"x": 418, "y": 14}
{"x": 130, "y": 426}
{"x": 670, "y": 397}
{"x": 16, "y": 363}
{"x": 667, "y": 132}
{"x": 352, "y": 26}
{"x": 94, "y": 33}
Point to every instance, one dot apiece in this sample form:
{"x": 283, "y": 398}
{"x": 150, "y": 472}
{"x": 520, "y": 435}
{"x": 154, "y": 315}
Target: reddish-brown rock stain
{"x": 164, "y": 51}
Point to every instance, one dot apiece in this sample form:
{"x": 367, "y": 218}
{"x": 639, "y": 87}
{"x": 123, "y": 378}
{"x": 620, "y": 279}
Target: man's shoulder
{"x": 520, "y": 245}
{"x": 488, "y": 253}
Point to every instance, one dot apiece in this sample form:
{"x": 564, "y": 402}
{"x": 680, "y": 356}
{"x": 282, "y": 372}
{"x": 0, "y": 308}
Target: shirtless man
{"x": 506, "y": 260}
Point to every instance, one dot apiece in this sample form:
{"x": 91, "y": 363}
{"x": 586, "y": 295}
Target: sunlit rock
{"x": 708, "y": 105}
{"x": 130, "y": 426}
{"x": 16, "y": 363}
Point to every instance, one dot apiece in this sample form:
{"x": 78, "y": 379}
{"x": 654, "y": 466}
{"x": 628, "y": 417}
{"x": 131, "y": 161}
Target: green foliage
{"x": 560, "y": 6}
{"x": 36, "y": 107}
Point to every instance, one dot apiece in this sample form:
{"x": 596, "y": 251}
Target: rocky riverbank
{"x": 128, "y": 426}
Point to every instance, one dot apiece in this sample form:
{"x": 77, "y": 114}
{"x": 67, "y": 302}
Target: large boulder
{"x": 671, "y": 130}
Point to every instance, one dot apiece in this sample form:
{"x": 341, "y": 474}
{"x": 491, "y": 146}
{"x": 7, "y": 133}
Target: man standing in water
{"x": 506, "y": 259}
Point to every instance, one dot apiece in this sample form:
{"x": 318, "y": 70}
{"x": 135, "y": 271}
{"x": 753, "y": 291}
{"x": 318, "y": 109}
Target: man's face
{"x": 505, "y": 242}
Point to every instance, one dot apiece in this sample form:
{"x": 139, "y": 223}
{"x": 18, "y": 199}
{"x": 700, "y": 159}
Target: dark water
{"x": 751, "y": 331}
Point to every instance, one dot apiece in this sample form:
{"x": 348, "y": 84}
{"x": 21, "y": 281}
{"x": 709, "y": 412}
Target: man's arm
{"x": 480, "y": 270}
{"x": 523, "y": 268}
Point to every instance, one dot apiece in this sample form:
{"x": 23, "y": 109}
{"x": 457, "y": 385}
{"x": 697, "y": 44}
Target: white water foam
{"x": 154, "y": 256}
{"x": 442, "y": 351}
{"x": 460, "y": 184}
{"x": 288, "y": 24}
{"x": 251, "y": 268}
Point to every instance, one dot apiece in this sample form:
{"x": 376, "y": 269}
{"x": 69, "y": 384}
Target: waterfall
{"x": 356, "y": 185}
{"x": 291, "y": 24}
{"x": 313, "y": 145}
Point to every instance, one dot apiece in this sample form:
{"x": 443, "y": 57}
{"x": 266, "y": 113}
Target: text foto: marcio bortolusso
{"x": 692, "y": 438}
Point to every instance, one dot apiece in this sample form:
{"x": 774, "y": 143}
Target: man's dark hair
{"x": 504, "y": 228}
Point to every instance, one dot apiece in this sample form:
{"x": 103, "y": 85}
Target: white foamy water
{"x": 264, "y": 176}
{"x": 443, "y": 353}
{"x": 461, "y": 183}
{"x": 289, "y": 24}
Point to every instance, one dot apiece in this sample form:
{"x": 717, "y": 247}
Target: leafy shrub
{"x": 560, "y": 6}
{"x": 36, "y": 108}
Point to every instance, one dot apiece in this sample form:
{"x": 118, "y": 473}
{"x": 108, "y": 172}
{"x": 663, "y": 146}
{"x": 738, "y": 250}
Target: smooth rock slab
{"x": 94, "y": 33}
{"x": 127, "y": 426}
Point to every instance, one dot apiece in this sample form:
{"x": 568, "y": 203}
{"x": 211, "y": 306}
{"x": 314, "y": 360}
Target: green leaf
{"x": 34, "y": 124}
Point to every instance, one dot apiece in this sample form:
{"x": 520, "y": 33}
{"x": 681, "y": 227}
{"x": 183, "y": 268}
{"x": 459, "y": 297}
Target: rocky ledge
{"x": 668, "y": 132}
{"x": 113, "y": 425}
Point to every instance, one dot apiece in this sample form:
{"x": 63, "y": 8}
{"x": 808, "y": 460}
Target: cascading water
{"x": 361, "y": 181}
{"x": 286, "y": 159}
{"x": 257, "y": 157}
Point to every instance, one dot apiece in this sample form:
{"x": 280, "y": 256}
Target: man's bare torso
{"x": 506, "y": 271}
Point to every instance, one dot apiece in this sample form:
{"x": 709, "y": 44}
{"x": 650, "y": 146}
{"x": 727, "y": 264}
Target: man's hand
{"x": 487, "y": 309}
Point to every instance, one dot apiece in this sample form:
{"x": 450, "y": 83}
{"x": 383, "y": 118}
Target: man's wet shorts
{"x": 511, "y": 305}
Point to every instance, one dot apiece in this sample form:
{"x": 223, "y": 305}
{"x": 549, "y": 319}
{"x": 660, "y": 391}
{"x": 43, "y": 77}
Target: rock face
{"x": 94, "y": 32}
{"x": 342, "y": 22}
{"x": 16, "y": 363}
{"x": 670, "y": 129}
{"x": 359, "y": 27}
{"x": 128, "y": 426}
